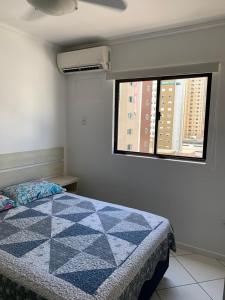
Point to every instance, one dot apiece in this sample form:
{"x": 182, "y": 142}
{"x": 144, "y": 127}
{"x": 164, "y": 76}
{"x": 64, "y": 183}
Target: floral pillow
{"x": 6, "y": 203}
{"x": 24, "y": 193}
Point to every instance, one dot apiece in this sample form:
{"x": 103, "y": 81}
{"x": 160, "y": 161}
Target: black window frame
{"x": 157, "y": 118}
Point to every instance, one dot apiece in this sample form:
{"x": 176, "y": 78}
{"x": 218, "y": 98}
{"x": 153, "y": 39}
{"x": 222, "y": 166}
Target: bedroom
{"x": 43, "y": 109}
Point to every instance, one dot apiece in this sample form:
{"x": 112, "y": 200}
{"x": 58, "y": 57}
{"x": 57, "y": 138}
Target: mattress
{"x": 73, "y": 247}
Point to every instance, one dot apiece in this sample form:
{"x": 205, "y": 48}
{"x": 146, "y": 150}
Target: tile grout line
{"x": 157, "y": 291}
{"x": 221, "y": 278}
{"x": 195, "y": 283}
{"x": 194, "y": 279}
{"x": 176, "y": 286}
{"x": 203, "y": 287}
{"x": 205, "y": 291}
{"x": 166, "y": 288}
{"x": 186, "y": 269}
{"x": 193, "y": 276}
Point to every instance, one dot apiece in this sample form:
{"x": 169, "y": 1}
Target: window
{"x": 130, "y": 115}
{"x": 130, "y": 99}
{"x": 176, "y": 130}
{"x": 129, "y": 131}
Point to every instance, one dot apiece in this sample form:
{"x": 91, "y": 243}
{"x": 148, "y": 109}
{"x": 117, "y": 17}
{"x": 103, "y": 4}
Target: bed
{"x": 72, "y": 247}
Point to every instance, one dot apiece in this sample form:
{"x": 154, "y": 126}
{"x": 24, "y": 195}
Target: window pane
{"x": 182, "y": 122}
{"x": 136, "y": 116}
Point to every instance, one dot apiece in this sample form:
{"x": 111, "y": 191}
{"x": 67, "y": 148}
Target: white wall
{"x": 191, "y": 195}
{"x": 32, "y": 94}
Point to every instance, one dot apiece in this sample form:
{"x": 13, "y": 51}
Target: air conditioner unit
{"x": 90, "y": 59}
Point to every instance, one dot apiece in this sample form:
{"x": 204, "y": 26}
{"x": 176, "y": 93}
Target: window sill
{"x": 198, "y": 162}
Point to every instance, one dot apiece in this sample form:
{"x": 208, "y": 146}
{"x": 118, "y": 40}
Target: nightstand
{"x": 70, "y": 183}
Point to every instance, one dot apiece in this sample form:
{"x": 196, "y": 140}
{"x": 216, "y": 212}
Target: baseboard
{"x": 200, "y": 251}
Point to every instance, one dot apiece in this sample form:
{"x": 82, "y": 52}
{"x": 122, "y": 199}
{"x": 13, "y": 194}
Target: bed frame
{"x": 47, "y": 163}
{"x": 150, "y": 286}
{"x": 25, "y": 166}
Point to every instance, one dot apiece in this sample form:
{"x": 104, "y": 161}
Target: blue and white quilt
{"x": 72, "y": 247}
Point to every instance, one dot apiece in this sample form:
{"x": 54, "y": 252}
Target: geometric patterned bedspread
{"x": 72, "y": 247}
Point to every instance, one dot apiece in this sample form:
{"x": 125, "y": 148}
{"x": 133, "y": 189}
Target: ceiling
{"x": 94, "y": 23}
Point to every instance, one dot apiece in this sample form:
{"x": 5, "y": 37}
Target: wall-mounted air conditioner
{"x": 98, "y": 58}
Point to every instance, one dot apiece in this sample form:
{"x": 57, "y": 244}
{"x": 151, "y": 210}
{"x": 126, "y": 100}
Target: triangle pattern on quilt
{"x": 82, "y": 262}
{"x": 93, "y": 222}
{"x": 125, "y": 226}
{"x": 121, "y": 249}
{"x": 135, "y": 237}
{"x": 36, "y": 203}
{"x": 109, "y": 208}
{"x": 45, "y": 208}
{"x": 39, "y": 256}
{"x": 88, "y": 281}
{"x": 75, "y": 217}
{"x": 14, "y": 212}
{"x": 137, "y": 219}
{"x": 87, "y": 205}
{"x": 64, "y": 198}
{"x": 59, "y": 255}
{"x": 28, "y": 213}
{"x": 19, "y": 249}
{"x": 79, "y": 242}
{"x": 59, "y": 225}
{"x": 24, "y": 222}
{"x": 69, "y": 202}
{"x": 75, "y": 230}
{"x": 22, "y": 236}
{"x": 73, "y": 210}
{"x": 43, "y": 227}
{"x": 58, "y": 207}
{"x": 108, "y": 222}
{"x": 101, "y": 249}
{"x": 118, "y": 214}
{"x": 6, "y": 230}
{"x": 3, "y": 215}
{"x": 99, "y": 205}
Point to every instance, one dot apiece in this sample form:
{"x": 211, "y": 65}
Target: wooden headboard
{"x": 24, "y": 166}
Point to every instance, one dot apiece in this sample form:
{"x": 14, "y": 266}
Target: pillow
{"x": 24, "y": 193}
{"x": 6, "y": 203}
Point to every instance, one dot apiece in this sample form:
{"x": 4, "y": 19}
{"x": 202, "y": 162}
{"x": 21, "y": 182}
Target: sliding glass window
{"x": 163, "y": 117}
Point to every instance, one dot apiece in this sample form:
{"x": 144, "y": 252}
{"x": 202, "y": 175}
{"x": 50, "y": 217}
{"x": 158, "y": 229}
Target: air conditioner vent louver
{"x": 91, "y": 59}
{"x": 83, "y": 68}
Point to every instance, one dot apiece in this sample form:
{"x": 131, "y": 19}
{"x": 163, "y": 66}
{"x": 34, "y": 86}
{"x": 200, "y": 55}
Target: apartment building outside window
{"x": 168, "y": 116}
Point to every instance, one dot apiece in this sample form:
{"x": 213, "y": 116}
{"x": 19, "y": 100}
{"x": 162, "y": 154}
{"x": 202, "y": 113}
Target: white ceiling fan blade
{"x": 116, "y": 4}
{"x": 54, "y": 7}
{"x": 33, "y": 15}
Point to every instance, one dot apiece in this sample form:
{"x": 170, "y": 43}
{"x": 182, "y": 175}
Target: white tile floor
{"x": 192, "y": 277}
